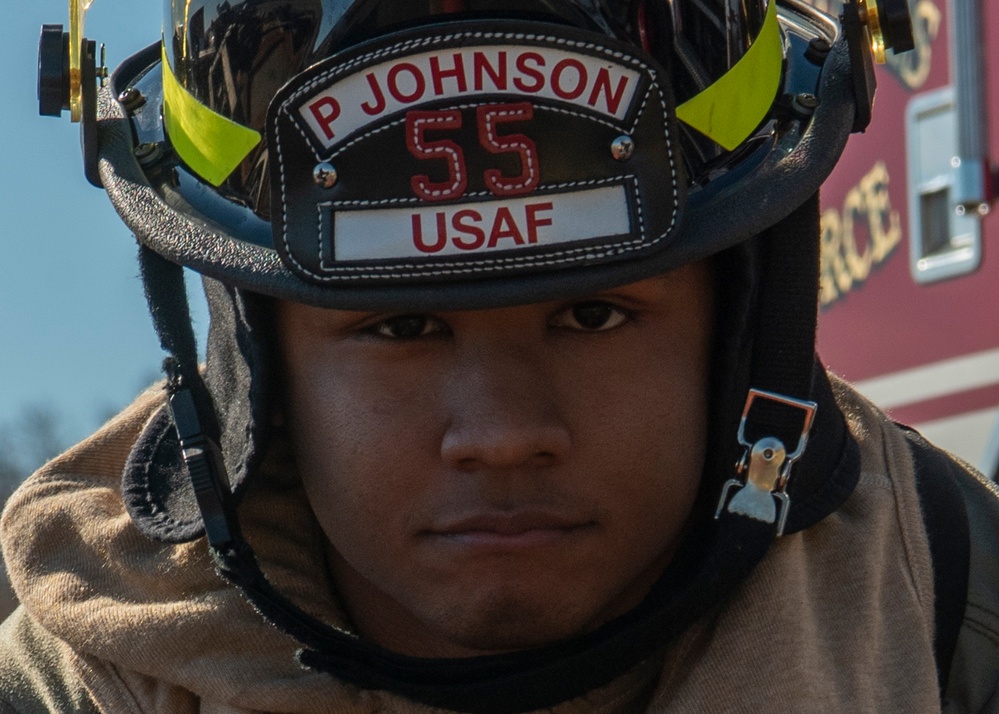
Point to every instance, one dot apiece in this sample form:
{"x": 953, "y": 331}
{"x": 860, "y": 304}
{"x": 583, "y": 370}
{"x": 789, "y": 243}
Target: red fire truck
{"x": 910, "y": 254}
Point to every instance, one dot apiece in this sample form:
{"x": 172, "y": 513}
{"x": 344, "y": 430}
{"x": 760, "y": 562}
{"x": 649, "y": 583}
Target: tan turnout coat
{"x": 838, "y": 618}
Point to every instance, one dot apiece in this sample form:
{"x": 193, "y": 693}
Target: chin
{"x": 505, "y": 625}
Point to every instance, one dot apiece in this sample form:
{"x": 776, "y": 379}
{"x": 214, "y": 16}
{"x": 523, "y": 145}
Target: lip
{"x": 514, "y": 529}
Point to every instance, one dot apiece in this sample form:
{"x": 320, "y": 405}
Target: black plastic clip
{"x": 205, "y": 467}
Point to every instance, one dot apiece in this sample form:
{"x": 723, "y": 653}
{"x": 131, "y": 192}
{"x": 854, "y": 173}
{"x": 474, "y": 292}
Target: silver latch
{"x": 765, "y": 467}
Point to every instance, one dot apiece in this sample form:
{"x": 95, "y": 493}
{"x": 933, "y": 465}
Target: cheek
{"x": 355, "y": 475}
{"x": 649, "y": 415}
{"x": 655, "y": 449}
{"x": 648, "y": 399}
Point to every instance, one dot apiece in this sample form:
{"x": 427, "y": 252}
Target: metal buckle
{"x": 766, "y": 466}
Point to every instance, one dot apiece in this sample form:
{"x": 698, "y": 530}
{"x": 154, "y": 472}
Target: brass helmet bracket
{"x": 871, "y": 27}
{"x": 68, "y": 72}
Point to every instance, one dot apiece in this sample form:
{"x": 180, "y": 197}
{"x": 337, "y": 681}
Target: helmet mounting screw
{"x": 148, "y": 154}
{"x": 623, "y": 148}
{"x": 817, "y": 51}
{"x": 131, "y": 99}
{"x": 804, "y": 105}
{"x": 325, "y": 175}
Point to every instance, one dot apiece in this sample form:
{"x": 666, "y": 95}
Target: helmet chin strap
{"x": 189, "y": 400}
{"x": 778, "y": 412}
{"x": 712, "y": 561}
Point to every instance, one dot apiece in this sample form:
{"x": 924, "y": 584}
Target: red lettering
{"x": 418, "y": 80}
{"x": 531, "y": 72}
{"x": 603, "y": 84}
{"x": 530, "y": 173}
{"x": 457, "y": 72}
{"x": 418, "y": 241}
{"x": 371, "y": 109}
{"x": 468, "y": 233}
{"x": 497, "y": 75}
{"x": 325, "y": 110}
{"x": 504, "y": 227}
{"x": 465, "y": 221}
{"x": 534, "y": 221}
{"x": 581, "y": 78}
{"x": 417, "y": 123}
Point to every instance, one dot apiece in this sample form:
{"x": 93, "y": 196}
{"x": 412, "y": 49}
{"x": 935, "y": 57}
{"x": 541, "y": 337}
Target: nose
{"x": 505, "y": 412}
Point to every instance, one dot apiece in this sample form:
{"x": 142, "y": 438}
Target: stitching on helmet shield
{"x": 212, "y": 145}
{"x": 566, "y": 158}
{"x": 733, "y": 106}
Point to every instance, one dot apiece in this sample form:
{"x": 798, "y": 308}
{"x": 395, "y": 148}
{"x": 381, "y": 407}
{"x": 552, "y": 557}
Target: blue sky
{"x": 74, "y": 332}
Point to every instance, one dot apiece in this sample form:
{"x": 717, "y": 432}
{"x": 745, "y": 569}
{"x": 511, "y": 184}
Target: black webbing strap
{"x": 784, "y": 342}
{"x": 946, "y": 520}
{"x": 778, "y": 404}
{"x": 166, "y": 296}
{"x": 189, "y": 401}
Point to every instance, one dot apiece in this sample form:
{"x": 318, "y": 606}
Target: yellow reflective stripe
{"x": 210, "y": 144}
{"x": 734, "y": 105}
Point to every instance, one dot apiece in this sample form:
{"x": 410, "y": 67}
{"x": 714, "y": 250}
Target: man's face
{"x": 500, "y": 479}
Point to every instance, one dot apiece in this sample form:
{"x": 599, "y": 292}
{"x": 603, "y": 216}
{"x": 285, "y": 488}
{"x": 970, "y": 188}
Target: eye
{"x": 407, "y": 327}
{"x": 591, "y": 316}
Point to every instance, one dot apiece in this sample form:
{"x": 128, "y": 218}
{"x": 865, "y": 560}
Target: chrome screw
{"x": 623, "y": 147}
{"x": 324, "y": 175}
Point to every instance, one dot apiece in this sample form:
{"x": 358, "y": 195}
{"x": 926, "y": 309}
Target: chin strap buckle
{"x": 205, "y": 467}
{"x": 765, "y": 466}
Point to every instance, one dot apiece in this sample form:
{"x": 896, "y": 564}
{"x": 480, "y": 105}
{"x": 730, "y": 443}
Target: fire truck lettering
{"x": 913, "y": 68}
{"x": 844, "y": 264}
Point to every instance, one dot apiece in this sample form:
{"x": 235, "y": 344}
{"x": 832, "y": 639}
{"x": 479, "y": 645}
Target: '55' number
{"x": 488, "y": 117}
